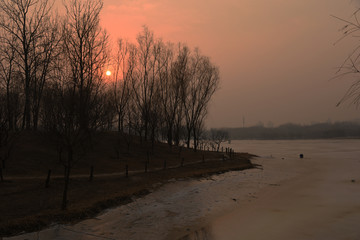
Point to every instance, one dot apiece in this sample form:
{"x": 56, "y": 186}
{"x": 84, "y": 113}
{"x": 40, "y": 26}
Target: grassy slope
{"x": 26, "y": 205}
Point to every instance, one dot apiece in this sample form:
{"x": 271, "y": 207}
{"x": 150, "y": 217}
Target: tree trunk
{"x": 3, "y": 162}
{"x": 9, "y": 108}
{"x": 1, "y": 172}
{"x": 188, "y": 141}
{"x": 1, "y": 175}
{"x": 35, "y": 120}
{"x": 67, "y": 178}
{"x": 170, "y": 136}
{"x": 146, "y": 130}
{"x": 27, "y": 114}
{"x": 66, "y": 186}
{"x": 195, "y": 140}
{"x": 177, "y": 135}
{"x": 121, "y": 121}
{"x": 153, "y": 138}
{"x": 188, "y": 138}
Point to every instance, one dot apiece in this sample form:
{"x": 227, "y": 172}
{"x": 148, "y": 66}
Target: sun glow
{"x": 108, "y": 73}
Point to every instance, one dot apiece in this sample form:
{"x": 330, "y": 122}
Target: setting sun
{"x": 108, "y": 73}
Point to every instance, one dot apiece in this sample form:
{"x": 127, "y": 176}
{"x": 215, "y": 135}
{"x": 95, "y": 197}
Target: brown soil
{"x": 26, "y": 205}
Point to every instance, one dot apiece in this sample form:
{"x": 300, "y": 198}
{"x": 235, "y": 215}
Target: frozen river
{"x": 317, "y": 197}
{"x": 320, "y": 199}
{"x": 344, "y": 148}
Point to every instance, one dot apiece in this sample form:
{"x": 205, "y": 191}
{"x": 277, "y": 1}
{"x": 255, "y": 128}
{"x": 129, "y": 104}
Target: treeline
{"x": 52, "y": 79}
{"x": 295, "y": 131}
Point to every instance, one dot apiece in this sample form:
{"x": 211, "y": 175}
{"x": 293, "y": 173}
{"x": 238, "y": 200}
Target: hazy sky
{"x": 276, "y": 57}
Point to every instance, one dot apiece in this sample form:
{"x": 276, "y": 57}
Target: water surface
{"x": 318, "y": 199}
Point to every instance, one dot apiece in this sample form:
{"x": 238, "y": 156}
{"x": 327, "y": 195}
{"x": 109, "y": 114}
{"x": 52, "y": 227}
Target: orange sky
{"x": 275, "y": 57}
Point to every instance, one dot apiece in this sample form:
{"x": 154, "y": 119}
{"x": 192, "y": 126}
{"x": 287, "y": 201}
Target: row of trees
{"x": 161, "y": 88}
{"x": 52, "y": 78}
{"x": 52, "y": 73}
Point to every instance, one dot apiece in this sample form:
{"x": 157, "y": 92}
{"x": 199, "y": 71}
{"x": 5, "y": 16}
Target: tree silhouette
{"x": 350, "y": 66}
{"x": 25, "y": 24}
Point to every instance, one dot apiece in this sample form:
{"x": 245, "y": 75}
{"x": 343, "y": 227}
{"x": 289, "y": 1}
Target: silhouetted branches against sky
{"x": 350, "y": 65}
{"x": 24, "y": 28}
{"x": 159, "y": 90}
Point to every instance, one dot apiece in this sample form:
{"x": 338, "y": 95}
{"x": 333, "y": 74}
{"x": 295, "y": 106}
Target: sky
{"x": 277, "y": 58}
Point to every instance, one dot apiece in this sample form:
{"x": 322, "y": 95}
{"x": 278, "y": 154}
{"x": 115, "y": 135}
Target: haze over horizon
{"x": 276, "y": 58}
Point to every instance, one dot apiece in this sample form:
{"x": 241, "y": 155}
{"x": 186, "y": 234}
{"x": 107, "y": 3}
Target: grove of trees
{"x": 52, "y": 79}
{"x": 161, "y": 90}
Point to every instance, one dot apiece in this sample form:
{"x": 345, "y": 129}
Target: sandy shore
{"x": 311, "y": 198}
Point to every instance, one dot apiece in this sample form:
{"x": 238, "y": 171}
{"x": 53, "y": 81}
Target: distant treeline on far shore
{"x": 296, "y": 131}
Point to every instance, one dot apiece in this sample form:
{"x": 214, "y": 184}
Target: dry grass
{"x": 26, "y": 205}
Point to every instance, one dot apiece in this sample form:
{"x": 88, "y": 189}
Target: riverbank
{"x": 113, "y": 170}
{"x": 28, "y": 206}
{"x": 178, "y": 208}
{"x": 287, "y": 198}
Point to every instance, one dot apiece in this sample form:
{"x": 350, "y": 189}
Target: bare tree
{"x": 172, "y": 74}
{"x": 7, "y": 136}
{"x": 85, "y": 45}
{"x": 166, "y": 88}
{"x": 124, "y": 67}
{"x": 9, "y": 98}
{"x": 60, "y": 103}
{"x": 218, "y": 136}
{"x": 23, "y": 21}
{"x": 77, "y": 95}
{"x": 197, "y": 91}
{"x": 9, "y": 80}
{"x": 160, "y": 72}
{"x": 46, "y": 51}
{"x": 350, "y": 66}
{"x": 144, "y": 78}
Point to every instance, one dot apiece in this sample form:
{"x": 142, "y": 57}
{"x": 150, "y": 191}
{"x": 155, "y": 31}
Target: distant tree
{"x": 218, "y": 136}
{"x": 203, "y": 141}
{"x": 124, "y": 67}
{"x": 172, "y": 76}
{"x": 144, "y": 79}
{"x": 197, "y": 91}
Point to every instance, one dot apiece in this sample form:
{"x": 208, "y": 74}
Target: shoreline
{"x": 151, "y": 182}
{"x": 275, "y": 173}
{"x": 172, "y": 211}
{"x": 289, "y": 198}
{"x": 319, "y": 201}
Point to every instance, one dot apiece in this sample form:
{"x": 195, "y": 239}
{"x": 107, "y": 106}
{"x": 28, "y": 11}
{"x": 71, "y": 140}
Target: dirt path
{"x": 100, "y": 175}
